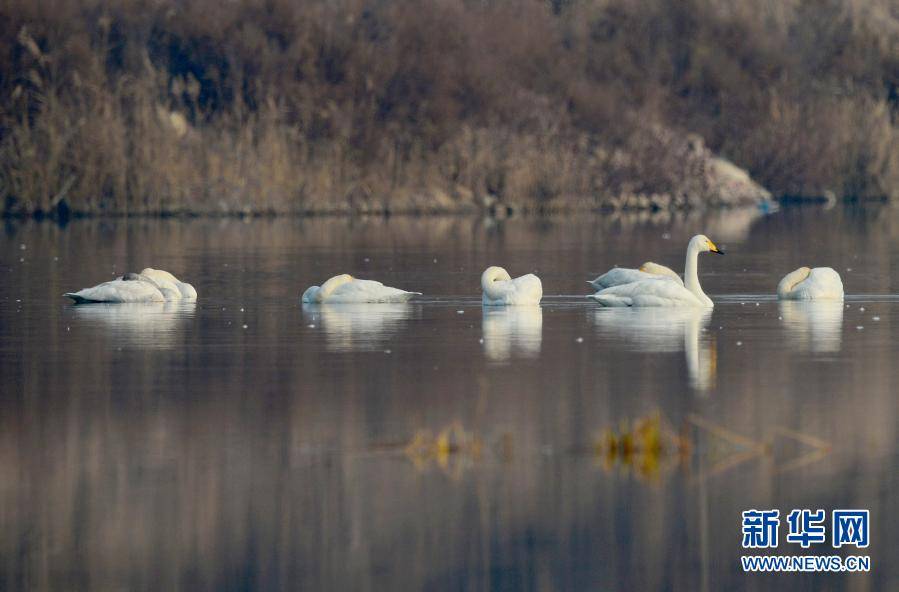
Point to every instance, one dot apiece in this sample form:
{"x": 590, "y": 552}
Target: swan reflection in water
{"x": 665, "y": 330}
{"x": 512, "y": 331}
{"x": 357, "y": 327}
{"x": 813, "y": 326}
{"x": 144, "y": 324}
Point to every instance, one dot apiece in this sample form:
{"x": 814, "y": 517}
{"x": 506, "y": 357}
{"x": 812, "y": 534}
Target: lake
{"x": 250, "y": 443}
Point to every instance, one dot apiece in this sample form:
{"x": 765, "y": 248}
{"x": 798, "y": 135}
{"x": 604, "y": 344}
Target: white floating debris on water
{"x": 460, "y": 312}
{"x": 366, "y": 259}
{"x": 756, "y": 303}
{"x": 435, "y": 259}
{"x": 860, "y": 327}
{"x": 481, "y": 340}
{"x": 22, "y": 260}
{"x": 848, "y": 269}
{"x": 22, "y": 247}
{"x": 861, "y": 309}
{"x": 780, "y": 318}
{"x": 875, "y": 318}
{"x": 739, "y": 343}
{"x": 312, "y": 326}
{"x": 245, "y": 326}
{"x": 666, "y": 236}
{"x": 387, "y": 351}
{"x": 68, "y": 328}
{"x": 580, "y": 340}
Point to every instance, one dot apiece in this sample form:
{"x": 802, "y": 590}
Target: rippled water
{"x": 250, "y": 442}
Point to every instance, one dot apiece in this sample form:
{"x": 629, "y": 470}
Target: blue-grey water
{"x": 250, "y": 443}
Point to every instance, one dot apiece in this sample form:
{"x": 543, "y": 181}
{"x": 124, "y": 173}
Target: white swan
{"x": 500, "y": 289}
{"x": 151, "y": 285}
{"x": 820, "y": 283}
{"x": 131, "y": 287}
{"x": 623, "y": 275}
{"x": 661, "y": 290}
{"x": 345, "y": 289}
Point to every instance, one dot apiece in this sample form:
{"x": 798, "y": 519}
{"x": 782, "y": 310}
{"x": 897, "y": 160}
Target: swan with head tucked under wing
{"x": 345, "y": 288}
{"x": 623, "y": 275}
{"x": 185, "y": 290}
{"x": 820, "y": 283}
{"x": 500, "y": 289}
{"x": 661, "y": 290}
{"x": 150, "y": 285}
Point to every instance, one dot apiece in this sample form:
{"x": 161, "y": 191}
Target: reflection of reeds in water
{"x": 646, "y": 445}
{"x": 453, "y": 449}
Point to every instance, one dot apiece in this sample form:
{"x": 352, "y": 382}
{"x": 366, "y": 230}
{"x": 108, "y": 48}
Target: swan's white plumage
{"x": 649, "y": 292}
{"x": 186, "y": 291}
{"x": 150, "y": 285}
{"x": 499, "y": 289}
{"x": 119, "y": 291}
{"x": 659, "y": 288}
{"x": 346, "y": 289}
{"x": 820, "y": 283}
{"x": 623, "y": 275}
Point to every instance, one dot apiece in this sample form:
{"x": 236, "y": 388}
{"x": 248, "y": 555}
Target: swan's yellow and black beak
{"x": 714, "y": 249}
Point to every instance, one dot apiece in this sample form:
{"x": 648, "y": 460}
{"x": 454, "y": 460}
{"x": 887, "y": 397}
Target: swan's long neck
{"x": 489, "y": 277}
{"x": 691, "y": 275}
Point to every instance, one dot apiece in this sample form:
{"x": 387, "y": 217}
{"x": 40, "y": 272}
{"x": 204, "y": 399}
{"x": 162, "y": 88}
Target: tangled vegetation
{"x": 150, "y": 106}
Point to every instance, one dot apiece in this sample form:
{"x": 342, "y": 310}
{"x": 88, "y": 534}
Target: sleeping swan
{"x": 622, "y": 275}
{"x": 662, "y": 290}
{"x": 500, "y": 289}
{"x": 150, "y": 285}
{"x": 820, "y": 283}
{"x": 345, "y": 288}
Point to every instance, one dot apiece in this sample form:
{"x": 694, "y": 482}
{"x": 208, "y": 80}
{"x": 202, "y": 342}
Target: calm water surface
{"x": 249, "y": 442}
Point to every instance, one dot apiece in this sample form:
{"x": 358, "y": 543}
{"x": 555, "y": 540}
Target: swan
{"x": 150, "y": 285}
{"x": 345, "y": 288}
{"x": 661, "y": 290}
{"x": 820, "y": 283}
{"x": 500, "y": 289}
{"x": 186, "y": 291}
{"x": 131, "y": 287}
{"x": 622, "y": 275}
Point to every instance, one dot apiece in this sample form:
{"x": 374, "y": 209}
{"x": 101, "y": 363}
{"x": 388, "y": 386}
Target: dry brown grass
{"x": 140, "y": 106}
